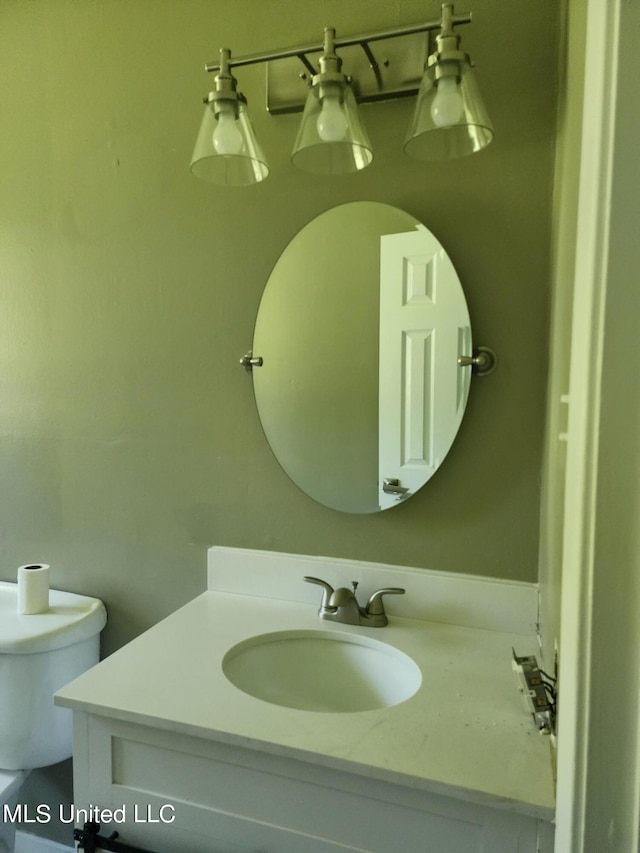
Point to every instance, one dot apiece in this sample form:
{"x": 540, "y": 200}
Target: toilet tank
{"x": 39, "y": 654}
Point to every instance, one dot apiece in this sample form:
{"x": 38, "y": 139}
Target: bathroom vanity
{"x": 197, "y": 765}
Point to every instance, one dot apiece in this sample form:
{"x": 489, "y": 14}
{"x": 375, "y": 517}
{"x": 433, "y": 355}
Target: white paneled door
{"x": 424, "y": 328}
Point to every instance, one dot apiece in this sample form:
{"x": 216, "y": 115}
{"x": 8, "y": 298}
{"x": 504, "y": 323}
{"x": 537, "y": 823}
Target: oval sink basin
{"x": 322, "y": 671}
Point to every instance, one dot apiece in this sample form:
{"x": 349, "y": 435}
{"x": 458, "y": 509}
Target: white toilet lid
{"x": 70, "y": 619}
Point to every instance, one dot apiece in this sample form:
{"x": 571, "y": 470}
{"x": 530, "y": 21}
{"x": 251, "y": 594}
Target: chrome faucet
{"x": 341, "y": 605}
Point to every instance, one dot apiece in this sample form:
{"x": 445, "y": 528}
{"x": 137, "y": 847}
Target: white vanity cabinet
{"x": 192, "y": 764}
{"x": 182, "y": 794}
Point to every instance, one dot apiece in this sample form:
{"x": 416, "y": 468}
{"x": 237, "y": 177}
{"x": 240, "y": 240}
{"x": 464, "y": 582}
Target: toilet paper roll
{"x": 33, "y": 588}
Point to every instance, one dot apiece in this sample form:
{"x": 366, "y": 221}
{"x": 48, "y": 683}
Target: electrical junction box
{"x": 538, "y": 693}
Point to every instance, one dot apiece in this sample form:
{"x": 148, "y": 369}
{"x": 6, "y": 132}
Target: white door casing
{"x": 598, "y": 783}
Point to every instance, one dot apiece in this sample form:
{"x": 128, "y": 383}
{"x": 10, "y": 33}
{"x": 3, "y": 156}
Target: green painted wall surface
{"x": 129, "y": 441}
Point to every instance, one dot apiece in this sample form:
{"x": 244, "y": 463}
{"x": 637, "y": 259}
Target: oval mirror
{"x": 359, "y": 329}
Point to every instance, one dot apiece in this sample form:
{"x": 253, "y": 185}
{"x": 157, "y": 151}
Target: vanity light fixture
{"x": 449, "y": 119}
{"x": 331, "y": 139}
{"x": 227, "y": 151}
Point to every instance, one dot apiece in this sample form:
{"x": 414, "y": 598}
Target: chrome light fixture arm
{"x": 224, "y": 96}
{"x": 447, "y": 58}
{"x": 363, "y": 40}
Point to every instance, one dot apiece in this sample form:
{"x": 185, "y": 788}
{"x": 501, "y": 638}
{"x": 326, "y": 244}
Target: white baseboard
{"x": 26, "y": 842}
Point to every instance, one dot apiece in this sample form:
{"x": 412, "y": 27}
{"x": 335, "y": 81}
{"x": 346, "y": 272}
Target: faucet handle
{"x": 327, "y": 591}
{"x": 375, "y": 605}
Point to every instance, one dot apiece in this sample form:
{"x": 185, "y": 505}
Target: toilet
{"x": 38, "y": 655}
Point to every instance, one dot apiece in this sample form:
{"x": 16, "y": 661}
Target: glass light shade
{"x": 448, "y": 125}
{"x": 227, "y": 151}
{"x": 331, "y": 138}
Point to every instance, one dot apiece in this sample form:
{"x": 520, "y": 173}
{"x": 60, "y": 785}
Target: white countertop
{"x": 465, "y": 733}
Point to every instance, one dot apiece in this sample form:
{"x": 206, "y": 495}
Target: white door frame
{"x": 585, "y": 639}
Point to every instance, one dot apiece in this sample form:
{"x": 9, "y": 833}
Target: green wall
{"x": 129, "y": 441}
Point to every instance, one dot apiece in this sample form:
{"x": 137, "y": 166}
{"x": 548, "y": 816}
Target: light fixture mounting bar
{"x": 349, "y": 41}
{"x": 396, "y": 72}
